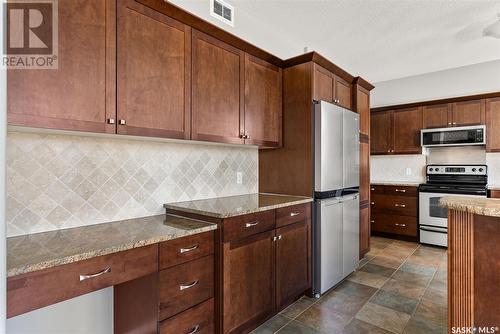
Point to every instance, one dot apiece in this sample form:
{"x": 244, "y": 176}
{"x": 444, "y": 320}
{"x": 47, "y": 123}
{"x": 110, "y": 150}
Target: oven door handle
{"x": 434, "y": 229}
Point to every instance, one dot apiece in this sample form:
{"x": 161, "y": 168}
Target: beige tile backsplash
{"x": 63, "y": 181}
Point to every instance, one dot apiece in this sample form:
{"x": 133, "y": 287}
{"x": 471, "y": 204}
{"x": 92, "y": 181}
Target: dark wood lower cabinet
{"x": 248, "y": 282}
{"x": 293, "y": 262}
{"x": 199, "y": 320}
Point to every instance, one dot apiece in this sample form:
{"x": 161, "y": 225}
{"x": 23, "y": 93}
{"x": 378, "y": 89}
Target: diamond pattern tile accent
{"x": 62, "y": 181}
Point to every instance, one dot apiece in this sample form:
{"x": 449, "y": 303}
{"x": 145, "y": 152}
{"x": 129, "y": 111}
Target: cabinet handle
{"x": 372, "y": 221}
{"x": 449, "y": 123}
{"x": 454, "y": 123}
{"x": 111, "y": 121}
{"x": 279, "y": 237}
{"x": 400, "y": 205}
{"x": 122, "y": 122}
{"x": 88, "y": 276}
{"x": 372, "y": 189}
{"x": 187, "y": 286}
{"x": 242, "y": 136}
{"x": 400, "y": 225}
{"x": 185, "y": 250}
{"x": 295, "y": 213}
{"x": 372, "y": 203}
{"x": 194, "y": 330}
{"x": 251, "y": 224}
{"x": 401, "y": 190}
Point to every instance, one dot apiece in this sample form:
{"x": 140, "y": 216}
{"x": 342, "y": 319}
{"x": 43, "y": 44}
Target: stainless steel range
{"x": 446, "y": 180}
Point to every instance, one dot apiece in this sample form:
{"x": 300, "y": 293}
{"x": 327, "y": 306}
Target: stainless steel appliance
{"x": 455, "y": 136}
{"x": 336, "y": 190}
{"x": 446, "y": 180}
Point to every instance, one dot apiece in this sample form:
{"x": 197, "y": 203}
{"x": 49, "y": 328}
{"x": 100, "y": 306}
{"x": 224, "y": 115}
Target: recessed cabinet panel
{"x": 323, "y": 84}
{"x": 154, "y": 62}
{"x": 493, "y": 125}
{"x": 343, "y": 93}
{"x": 468, "y": 113}
{"x": 407, "y": 125}
{"x": 381, "y": 132}
{"x": 363, "y": 108}
{"x": 216, "y": 90}
{"x": 437, "y": 116}
{"x": 80, "y": 93}
{"x": 263, "y": 113}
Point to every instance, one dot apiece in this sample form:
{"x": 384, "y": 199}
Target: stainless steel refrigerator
{"x": 336, "y": 192}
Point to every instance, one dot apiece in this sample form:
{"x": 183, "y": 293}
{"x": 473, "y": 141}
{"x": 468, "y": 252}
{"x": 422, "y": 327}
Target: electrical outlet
{"x": 239, "y": 178}
{"x": 408, "y": 171}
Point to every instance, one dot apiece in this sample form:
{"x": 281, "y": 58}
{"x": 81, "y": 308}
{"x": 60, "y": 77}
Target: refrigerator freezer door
{"x": 328, "y": 147}
{"x": 351, "y": 149}
{"x": 331, "y": 262}
{"x": 350, "y": 234}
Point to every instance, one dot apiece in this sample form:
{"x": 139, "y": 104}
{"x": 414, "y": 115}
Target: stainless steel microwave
{"x": 457, "y": 136}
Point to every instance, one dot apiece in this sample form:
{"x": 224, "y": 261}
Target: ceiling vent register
{"x": 222, "y": 11}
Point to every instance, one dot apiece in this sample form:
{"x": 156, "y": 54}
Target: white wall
{"x": 3, "y": 108}
{"x": 460, "y": 81}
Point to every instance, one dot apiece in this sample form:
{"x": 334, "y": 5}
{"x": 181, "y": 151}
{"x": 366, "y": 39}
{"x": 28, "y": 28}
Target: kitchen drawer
{"x": 240, "y": 227}
{"x": 186, "y": 285}
{"x": 185, "y": 249}
{"x": 34, "y": 290}
{"x": 292, "y": 214}
{"x": 198, "y": 319}
{"x": 401, "y": 191}
{"x": 403, "y": 225}
{"x": 377, "y": 189}
{"x": 397, "y": 205}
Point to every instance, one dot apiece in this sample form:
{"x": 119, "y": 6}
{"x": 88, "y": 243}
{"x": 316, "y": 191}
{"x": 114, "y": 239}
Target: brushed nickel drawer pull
{"x": 372, "y": 189}
{"x": 400, "y": 225}
{"x": 251, "y": 224}
{"x": 293, "y": 214}
{"x": 88, "y": 276}
{"x": 194, "y": 330}
{"x": 187, "y": 286}
{"x": 373, "y": 203}
{"x": 400, "y": 205}
{"x": 185, "y": 250}
{"x": 400, "y": 190}
{"x": 372, "y": 221}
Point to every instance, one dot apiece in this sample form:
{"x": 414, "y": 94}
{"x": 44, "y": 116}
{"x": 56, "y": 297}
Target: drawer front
{"x": 45, "y": 287}
{"x": 246, "y": 225}
{"x": 198, "y": 319}
{"x": 292, "y": 214}
{"x": 185, "y": 249}
{"x": 397, "y": 205}
{"x": 186, "y": 285}
{"x": 401, "y": 191}
{"x": 377, "y": 189}
{"x": 402, "y": 225}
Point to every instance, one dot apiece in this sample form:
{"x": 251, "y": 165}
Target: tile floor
{"x": 400, "y": 287}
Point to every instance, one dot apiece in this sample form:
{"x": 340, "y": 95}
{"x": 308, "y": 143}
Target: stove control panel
{"x": 457, "y": 169}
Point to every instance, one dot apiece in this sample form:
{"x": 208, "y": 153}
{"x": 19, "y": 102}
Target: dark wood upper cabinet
{"x": 217, "y": 85}
{"x": 323, "y": 84}
{"x": 406, "y": 130}
{"x": 381, "y": 132}
{"x": 293, "y": 262}
{"x": 263, "y": 112}
{"x": 153, "y": 70}
{"x": 437, "y": 116}
{"x": 80, "y": 93}
{"x": 249, "y": 286}
{"x": 363, "y": 108}
{"x": 343, "y": 93}
{"x": 493, "y": 124}
{"x": 468, "y": 113}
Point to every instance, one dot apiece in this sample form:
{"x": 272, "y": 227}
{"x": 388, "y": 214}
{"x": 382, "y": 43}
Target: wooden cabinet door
{"x": 154, "y": 69}
{"x": 493, "y": 124}
{"x": 323, "y": 84}
{"x": 364, "y": 171}
{"x": 217, "y": 98}
{"x": 364, "y": 230}
{"x": 407, "y": 124}
{"x": 343, "y": 93}
{"x": 363, "y": 108}
{"x": 437, "y": 116}
{"x": 80, "y": 93}
{"x": 381, "y": 132}
{"x": 248, "y": 282}
{"x": 468, "y": 113}
{"x": 263, "y": 112}
{"x": 293, "y": 262}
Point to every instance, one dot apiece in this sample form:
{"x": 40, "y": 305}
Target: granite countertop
{"x": 49, "y": 249}
{"x": 225, "y": 207}
{"x": 493, "y": 187}
{"x": 396, "y": 183}
{"x": 477, "y": 205}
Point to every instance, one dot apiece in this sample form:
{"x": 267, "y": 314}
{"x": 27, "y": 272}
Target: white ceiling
{"x": 377, "y": 39}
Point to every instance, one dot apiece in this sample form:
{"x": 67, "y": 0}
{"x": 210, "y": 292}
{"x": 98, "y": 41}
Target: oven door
{"x": 431, "y": 213}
